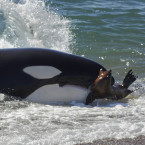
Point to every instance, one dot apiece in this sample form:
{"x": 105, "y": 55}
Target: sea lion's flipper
{"x": 90, "y": 98}
{"x": 129, "y": 79}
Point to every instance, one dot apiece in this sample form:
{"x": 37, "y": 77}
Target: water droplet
{"x": 127, "y": 63}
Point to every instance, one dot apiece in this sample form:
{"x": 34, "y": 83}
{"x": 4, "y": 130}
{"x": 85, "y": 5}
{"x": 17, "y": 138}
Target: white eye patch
{"x": 42, "y": 72}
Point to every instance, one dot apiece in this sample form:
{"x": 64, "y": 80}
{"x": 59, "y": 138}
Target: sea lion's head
{"x": 104, "y": 77}
{"x": 103, "y": 82}
{"x": 104, "y": 87}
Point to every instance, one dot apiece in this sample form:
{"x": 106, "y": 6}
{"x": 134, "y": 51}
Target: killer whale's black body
{"x": 75, "y": 70}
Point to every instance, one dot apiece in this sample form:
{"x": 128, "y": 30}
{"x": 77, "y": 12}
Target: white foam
{"x": 5, "y": 44}
{"x": 2, "y": 97}
{"x": 32, "y": 24}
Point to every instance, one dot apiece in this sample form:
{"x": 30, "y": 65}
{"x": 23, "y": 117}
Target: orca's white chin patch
{"x": 54, "y": 94}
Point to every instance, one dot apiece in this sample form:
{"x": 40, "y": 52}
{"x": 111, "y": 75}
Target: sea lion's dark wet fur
{"x": 104, "y": 88}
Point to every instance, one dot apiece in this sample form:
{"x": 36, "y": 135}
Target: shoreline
{"x": 140, "y": 140}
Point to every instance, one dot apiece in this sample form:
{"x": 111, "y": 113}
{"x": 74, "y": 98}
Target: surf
{"x": 30, "y": 23}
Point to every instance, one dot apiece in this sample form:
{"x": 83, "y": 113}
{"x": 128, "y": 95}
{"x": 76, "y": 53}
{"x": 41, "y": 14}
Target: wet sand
{"x": 140, "y": 140}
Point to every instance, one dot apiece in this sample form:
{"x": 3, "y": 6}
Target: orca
{"x": 45, "y": 76}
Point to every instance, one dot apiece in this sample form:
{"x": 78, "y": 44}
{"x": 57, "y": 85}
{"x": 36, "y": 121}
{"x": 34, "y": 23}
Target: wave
{"x": 30, "y": 23}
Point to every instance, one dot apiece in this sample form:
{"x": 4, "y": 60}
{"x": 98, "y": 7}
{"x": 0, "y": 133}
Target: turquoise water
{"x": 109, "y": 32}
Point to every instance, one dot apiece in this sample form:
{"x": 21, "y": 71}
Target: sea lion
{"x": 103, "y": 88}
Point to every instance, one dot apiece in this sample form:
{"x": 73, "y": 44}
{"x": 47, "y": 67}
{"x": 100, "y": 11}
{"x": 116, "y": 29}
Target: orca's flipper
{"x": 83, "y": 81}
{"x": 129, "y": 79}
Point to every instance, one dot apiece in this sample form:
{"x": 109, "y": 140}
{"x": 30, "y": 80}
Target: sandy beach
{"x": 140, "y": 140}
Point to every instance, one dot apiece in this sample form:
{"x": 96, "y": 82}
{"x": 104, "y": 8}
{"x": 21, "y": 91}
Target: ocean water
{"x": 109, "y": 32}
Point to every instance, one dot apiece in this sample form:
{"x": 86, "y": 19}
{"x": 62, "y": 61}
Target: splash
{"x": 30, "y": 23}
